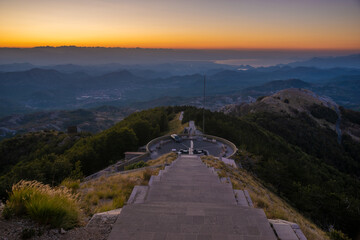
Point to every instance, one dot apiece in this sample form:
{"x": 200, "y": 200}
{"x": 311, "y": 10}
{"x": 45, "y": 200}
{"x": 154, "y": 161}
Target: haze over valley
{"x": 28, "y": 88}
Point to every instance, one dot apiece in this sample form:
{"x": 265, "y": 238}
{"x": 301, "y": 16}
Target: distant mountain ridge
{"x": 343, "y": 89}
{"x": 39, "y": 89}
{"x": 277, "y": 85}
{"x": 350, "y": 61}
{"x": 87, "y": 120}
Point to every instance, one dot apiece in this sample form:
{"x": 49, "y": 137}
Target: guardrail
{"x": 223, "y": 140}
{"x": 119, "y": 166}
{"x": 156, "y": 140}
{"x": 133, "y": 160}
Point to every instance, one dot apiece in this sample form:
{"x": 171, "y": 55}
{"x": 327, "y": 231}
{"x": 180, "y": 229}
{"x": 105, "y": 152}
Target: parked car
{"x": 200, "y": 152}
{"x": 175, "y": 137}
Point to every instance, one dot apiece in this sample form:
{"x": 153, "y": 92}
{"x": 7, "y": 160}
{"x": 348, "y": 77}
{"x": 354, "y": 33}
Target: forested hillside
{"x": 52, "y": 156}
{"x": 322, "y": 187}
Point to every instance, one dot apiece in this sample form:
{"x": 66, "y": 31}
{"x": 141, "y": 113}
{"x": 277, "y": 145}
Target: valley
{"x": 294, "y": 135}
{"x": 47, "y": 89}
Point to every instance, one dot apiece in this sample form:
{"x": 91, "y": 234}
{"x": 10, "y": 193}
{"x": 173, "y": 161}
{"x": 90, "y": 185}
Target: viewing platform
{"x": 213, "y": 145}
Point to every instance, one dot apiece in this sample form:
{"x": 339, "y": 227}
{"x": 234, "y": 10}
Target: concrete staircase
{"x": 188, "y": 201}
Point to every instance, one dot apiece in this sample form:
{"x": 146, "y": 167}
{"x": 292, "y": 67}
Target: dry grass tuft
{"x": 273, "y": 206}
{"x": 164, "y": 159}
{"x": 57, "y": 207}
{"x": 71, "y": 184}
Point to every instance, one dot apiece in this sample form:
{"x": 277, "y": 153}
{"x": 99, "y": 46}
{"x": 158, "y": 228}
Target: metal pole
{"x": 204, "y": 107}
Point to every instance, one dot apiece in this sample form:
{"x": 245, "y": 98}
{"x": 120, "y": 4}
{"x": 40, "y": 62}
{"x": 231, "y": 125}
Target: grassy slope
{"x": 107, "y": 193}
{"x": 175, "y": 125}
{"x": 274, "y": 206}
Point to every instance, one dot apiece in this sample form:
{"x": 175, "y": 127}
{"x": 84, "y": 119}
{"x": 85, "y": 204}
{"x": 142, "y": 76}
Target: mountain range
{"x": 48, "y": 89}
{"x": 293, "y": 126}
{"x": 351, "y": 61}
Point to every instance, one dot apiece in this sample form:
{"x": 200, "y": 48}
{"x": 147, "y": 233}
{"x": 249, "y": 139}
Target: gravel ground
{"x": 16, "y": 228}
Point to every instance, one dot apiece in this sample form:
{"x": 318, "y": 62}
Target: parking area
{"x": 213, "y": 147}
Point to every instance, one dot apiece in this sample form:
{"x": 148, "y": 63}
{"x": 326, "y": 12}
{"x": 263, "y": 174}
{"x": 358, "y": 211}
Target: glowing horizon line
{"x": 184, "y": 48}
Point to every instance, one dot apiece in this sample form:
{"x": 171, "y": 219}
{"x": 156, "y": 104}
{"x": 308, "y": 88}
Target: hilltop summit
{"x": 289, "y": 101}
{"x": 295, "y": 103}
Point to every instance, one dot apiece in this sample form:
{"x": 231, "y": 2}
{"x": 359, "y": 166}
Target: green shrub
{"x": 322, "y": 112}
{"x": 350, "y": 115}
{"x": 337, "y": 235}
{"x": 71, "y": 184}
{"x": 136, "y": 165}
{"x": 56, "y": 207}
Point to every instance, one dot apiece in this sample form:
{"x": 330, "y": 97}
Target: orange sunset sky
{"x": 203, "y": 24}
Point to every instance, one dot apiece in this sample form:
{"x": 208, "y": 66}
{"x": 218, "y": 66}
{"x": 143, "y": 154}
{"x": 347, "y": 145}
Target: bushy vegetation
{"x": 323, "y": 112}
{"x": 36, "y": 156}
{"x": 303, "y": 132}
{"x": 31, "y": 146}
{"x": 56, "y": 207}
{"x": 107, "y": 147}
{"x": 337, "y": 235}
{"x": 320, "y": 191}
{"x": 140, "y": 164}
{"x": 350, "y": 115}
{"x": 51, "y": 157}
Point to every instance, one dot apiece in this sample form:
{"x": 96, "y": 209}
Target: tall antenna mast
{"x": 204, "y": 106}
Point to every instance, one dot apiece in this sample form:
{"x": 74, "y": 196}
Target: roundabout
{"x": 197, "y": 144}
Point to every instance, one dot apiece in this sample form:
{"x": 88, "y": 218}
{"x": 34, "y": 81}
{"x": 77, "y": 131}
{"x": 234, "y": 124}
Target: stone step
{"x": 190, "y": 196}
{"x": 214, "y": 183}
{"x": 108, "y": 217}
{"x": 284, "y": 231}
{"x": 192, "y": 179}
{"x": 188, "y": 201}
{"x": 248, "y": 198}
{"x": 191, "y": 221}
{"x": 138, "y": 195}
{"x": 181, "y": 207}
{"x": 287, "y": 230}
{"x": 240, "y": 198}
{"x": 153, "y": 179}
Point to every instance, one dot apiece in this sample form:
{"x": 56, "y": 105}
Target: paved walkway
{"x": 189, "y": 202}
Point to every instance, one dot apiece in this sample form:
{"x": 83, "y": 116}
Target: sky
{"x": 183, "y": 24}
